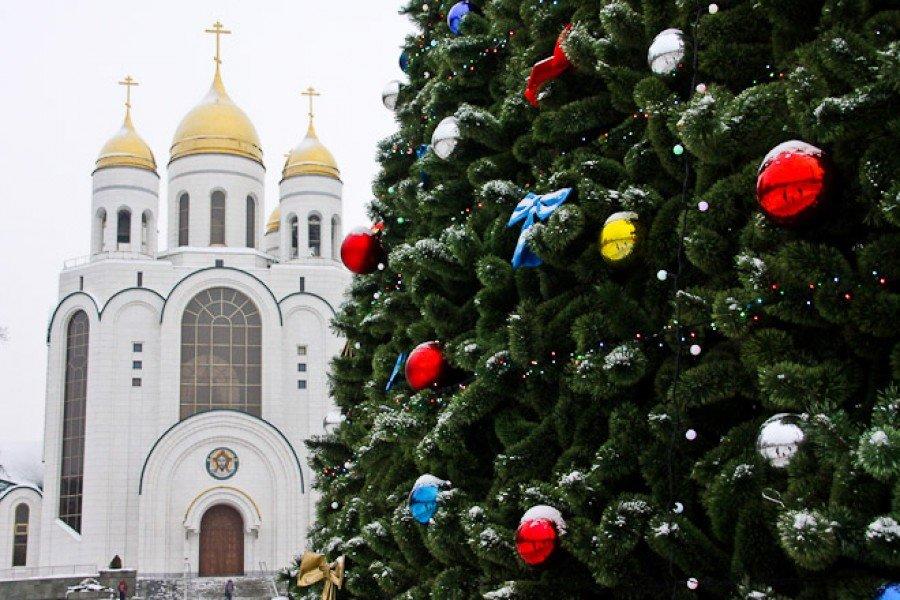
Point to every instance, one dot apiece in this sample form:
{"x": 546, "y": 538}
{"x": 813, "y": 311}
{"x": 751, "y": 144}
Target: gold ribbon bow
{"x": 315, "y": 568}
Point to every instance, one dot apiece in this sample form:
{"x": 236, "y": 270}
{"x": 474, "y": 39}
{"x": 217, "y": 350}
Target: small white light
{"x": 713, "y": 8}
{"x": 679, "y": 508}
{"x": 695, "y": 349}
{"x": 701, "y": 87}
{"x": 690, "y": 435}
{"x": 376, "y": 295}
{"x": 703, "y": 206}
{"x": 424, "y": 7}
{"x": 381, "y": 266}
{"x": 692, "y": 583}
{"x": 662, "y": 274}
{"x": 357, "y": 345}
{"x": 334, "y": 505}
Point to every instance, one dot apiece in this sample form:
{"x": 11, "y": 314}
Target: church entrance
{"x": 221, "y": 542}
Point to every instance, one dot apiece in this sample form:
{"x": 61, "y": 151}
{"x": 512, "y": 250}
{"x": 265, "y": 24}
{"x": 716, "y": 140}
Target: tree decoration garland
{"x": 780, "y": 438}
{"x": 423, "y": 497}
{"x": 791, "y": 181}
{"x": 425, "y": 366}
{"x": 548, "y": 69}
{"x": 667, "y": 51}
{"x": 531, "y": 209}
{"x": 361, "y": 250}
{"x": 538, "y": 534}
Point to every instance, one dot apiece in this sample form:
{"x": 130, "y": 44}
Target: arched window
{"x": 335, "y": 237}
{"x": 221, "y": 353}
{"x": 184, "y": 208}
{"x": 100, "y": 232}
{"x": 20, "y": 536}
{"x": 251, "y": 222}
{"x": 295, "y": 237}
{"x": 74, "y": 399}
{"x": 315, "y": 235}
{"x": 145, "y": 231}
{"x": 217, "y": 219}
{"x": 123, "y": 227}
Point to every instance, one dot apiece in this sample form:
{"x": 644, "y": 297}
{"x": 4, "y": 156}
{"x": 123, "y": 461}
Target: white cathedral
{"x": 182, "y": 383}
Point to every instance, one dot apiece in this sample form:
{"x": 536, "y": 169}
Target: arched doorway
{"x": 221, "y": 542}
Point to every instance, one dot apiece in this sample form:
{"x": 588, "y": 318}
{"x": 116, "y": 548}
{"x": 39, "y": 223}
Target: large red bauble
{"x": 425, "y": 366}
{"x": 536, "y": 540}
{"x": 361, "y": 251}
{"x": 791, "y": 181}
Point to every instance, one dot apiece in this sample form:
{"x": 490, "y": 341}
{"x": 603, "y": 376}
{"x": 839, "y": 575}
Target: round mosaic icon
{"x": 222, "y": 463}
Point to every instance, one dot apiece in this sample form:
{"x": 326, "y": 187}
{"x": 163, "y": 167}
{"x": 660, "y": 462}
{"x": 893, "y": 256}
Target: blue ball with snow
{"x": 890, "y": 591}
{"x": 404, "y": 61}
{"x": 424, "y": 496}
{"x": 457, "y": 14}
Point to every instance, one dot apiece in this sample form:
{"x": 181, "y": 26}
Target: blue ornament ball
{"x": 890, "y": 591}
{"x": 456, "y": 15}
{"x": 404, "y": 61}
{"x": 423, "y": 498}
{"x": 422, "y": 150}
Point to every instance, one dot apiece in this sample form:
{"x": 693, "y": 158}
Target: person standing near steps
{"x": 229, "y": 589}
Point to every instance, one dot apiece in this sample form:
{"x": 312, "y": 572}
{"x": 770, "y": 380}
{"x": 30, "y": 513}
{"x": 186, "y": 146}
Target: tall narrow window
{"x": 123, "y": 227}
{"x": 295, "y": 237}
{"x": 217, "y": 219}
{"x": 74, "y": 399}
{"x": 221, "y": 353}
{"x": 20, "y": 536}
{"x": 184, "y": 209}
{"x": 315, "y": 235}
{"x": 335, "y": 237}
{"x": 145, "y": 232}
{"x": 100, "y": 233}
{"x": 251, "y": 222}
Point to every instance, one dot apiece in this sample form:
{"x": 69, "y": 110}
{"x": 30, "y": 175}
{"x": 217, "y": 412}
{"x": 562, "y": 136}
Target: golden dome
{"x": 311, "y": 157}
{"x": 126, "y": 149}
{"x": 216, "y": 126}
{"x": 274, "y": 222}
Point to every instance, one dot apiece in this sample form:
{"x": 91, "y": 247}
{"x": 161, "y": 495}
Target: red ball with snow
{"x": 425, "y": 366}
{"x": 791, "y": 181}
{"x": 361, "y": 251}
{"x": 537, "y": 535}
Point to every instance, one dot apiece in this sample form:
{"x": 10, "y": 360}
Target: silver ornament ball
{"x": 666, "y": 52}
{"x": 780, "y": 438}
{"x": 390, "y": 93}
{"x": 445, "y": 137}
{"x": 662, "y": 274}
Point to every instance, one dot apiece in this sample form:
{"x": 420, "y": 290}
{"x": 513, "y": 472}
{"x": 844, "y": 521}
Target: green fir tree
{"x": 629, "y": 396}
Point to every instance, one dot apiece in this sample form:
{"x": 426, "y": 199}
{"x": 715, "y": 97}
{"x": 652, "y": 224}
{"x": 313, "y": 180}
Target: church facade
{"x": 182, "y": 383}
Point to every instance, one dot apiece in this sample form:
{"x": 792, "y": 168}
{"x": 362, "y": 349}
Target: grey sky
{"x": 59, "y": 64}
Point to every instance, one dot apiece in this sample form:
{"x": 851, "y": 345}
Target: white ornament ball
{"x": 713, "y": 8}
{"x": 666, "y": 52}
{"x": 703, "y": 206}
{"x": 692, "y": 583}
{"x": 445, "y": 137}
{"x": 376, "y": 295}
{"x": 381, "y": 266}
{"x": 690, "y": 435}
{"x": 424, "y": 7}
{"x": 695, "y": 349}
{"x": 662, "y": 274}
{"x": 780, "y": 438}
{"x": 390, "y": 93}
{"x": 679, "y": 508}
{"x": 334, "y": 505}
{"x": 701, "y": 88}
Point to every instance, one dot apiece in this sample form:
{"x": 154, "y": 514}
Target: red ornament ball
{"x": 425, "y": 366}
{"x": 361, "y": 251}
{"x": 791, "y": 181}
{"x": 537, "y": 534}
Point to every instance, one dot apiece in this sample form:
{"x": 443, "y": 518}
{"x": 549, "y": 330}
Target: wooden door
{"x": 221, "y": 542}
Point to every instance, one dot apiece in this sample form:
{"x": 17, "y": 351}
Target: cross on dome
{"x": 218, "y": 30}
{"x": 311, "y": 93}
{"x": 128, "y": 82}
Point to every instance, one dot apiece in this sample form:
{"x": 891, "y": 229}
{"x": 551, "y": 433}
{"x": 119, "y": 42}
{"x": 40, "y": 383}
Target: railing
{"x": 55, "y": 571}
{"x": 79, "y": 261}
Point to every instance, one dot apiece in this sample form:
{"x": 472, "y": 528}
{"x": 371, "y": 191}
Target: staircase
{"x": 205, "y": 588}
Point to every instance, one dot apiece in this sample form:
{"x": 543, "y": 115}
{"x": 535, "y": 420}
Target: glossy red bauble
{"x": 536, "y": 540}
{"x": 791, "y": 181}
{"x": 425, "y": 366}
{"x": 361, "y": 251}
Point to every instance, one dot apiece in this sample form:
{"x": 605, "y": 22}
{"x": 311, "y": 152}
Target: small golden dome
{"x": 126, "y": 149}
{"x": 311, "y": 157}
{"x": 274, "y": 222}
{"x": 216, "y": 126}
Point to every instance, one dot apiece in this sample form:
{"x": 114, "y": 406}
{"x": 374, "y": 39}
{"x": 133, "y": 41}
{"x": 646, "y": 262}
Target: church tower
{"x": 216, "y": 173}
{"x": 125, "y": 199}
{"x": 307, "y": 222}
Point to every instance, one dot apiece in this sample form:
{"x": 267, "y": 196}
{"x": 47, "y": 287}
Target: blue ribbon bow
{"x": 533, "y": 208}
{"x": 401, "y": 358}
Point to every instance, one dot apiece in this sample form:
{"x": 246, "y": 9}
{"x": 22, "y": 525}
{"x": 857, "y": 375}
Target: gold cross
{"x": 311, "y": 92}
{"x": 128, "y": 82}
{"x": 219, "y": 30}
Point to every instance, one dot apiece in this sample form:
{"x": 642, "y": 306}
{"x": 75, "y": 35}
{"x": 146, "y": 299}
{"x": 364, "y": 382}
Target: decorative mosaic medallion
{"x": 222, "y": 463}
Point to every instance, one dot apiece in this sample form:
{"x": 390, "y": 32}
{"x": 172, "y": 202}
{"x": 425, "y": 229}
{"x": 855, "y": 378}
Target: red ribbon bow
{"x": 548, "y": 69}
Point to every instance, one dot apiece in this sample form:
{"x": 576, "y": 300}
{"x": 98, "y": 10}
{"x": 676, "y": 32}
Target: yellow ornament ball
{"x": 619, "y": 237}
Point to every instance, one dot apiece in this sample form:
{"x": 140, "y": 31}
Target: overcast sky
{"x": 59, "y": 64}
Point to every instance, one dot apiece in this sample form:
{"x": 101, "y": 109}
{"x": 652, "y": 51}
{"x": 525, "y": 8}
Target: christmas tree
{"x": 655, "y": 250}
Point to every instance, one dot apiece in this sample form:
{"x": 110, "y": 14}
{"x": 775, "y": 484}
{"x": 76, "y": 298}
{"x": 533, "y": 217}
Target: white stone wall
{"x": 117, "y": 188}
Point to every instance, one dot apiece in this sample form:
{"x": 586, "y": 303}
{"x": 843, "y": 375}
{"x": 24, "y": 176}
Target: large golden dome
{"x": 216, "y": 126}
{"x": 311, "y": 157}
{"x": 126, "y": 149}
